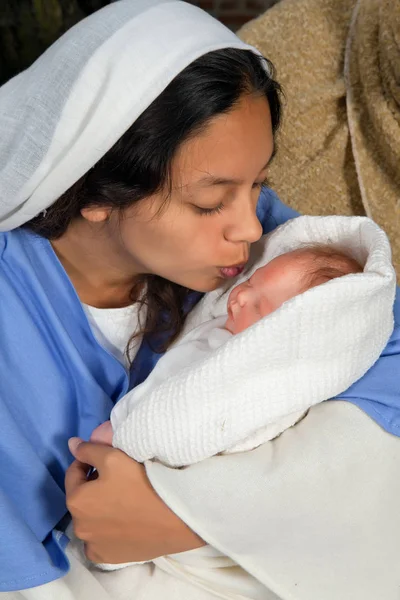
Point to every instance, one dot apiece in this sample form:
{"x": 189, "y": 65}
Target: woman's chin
{"x": 208, "y": 285}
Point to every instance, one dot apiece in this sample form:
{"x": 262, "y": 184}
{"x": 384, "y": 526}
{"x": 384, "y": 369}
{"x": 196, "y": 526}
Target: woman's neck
{"x": 97, "y": 270}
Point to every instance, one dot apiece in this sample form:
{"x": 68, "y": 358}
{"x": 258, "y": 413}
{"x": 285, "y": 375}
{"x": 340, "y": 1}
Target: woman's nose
{"x": 245, "y": 226}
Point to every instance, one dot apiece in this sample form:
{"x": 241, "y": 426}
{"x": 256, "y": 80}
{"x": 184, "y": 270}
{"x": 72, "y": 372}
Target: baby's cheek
{"x": 266, "y": 307}
{"x": 254, "y": 316}
{"x": 248, "y": 316}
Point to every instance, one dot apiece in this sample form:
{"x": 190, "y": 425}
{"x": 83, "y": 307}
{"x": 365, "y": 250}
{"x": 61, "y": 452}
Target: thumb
{"x": 73, "y": 445}
{"x": 91, "y": 453}
{"x": 87, "y": 455}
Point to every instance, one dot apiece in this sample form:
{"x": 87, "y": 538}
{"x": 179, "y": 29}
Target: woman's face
{"x": 204, "y": 231}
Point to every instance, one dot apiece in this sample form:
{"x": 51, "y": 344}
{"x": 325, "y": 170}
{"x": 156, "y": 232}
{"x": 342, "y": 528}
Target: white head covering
{"x": 60, "y": 116}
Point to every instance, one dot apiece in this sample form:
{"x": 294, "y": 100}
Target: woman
{"x": 132, "y": 172}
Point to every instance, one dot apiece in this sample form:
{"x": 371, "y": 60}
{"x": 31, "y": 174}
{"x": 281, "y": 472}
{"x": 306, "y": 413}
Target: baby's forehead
{"x": 286, "y": 261}
{"x": 288, "y": 266}
{"x": 299, "y": 254}
{"x": 298, "y": 258}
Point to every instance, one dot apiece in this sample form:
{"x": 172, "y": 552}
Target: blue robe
{"x": 56, "y": 382}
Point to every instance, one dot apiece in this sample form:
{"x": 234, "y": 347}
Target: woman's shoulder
{"x": 3, "y": 243}
{"x": 18, "y": 243}
{"x": 396, "y": 311}
{"x": 24, "y": 263}
{"x": 271, "y": 211}
{"x": 10, "y": 249}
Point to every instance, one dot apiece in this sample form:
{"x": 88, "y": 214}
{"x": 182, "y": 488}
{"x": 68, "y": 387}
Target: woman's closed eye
{"x": 210, "y": 211}
{"x": 218, "y": 209}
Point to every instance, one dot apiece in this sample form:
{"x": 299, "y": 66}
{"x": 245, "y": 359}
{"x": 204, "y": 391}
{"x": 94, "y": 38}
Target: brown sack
{"x": 339, "y": 64}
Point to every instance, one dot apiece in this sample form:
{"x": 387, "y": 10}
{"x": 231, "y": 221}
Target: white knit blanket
{"x": 260, "y": 382}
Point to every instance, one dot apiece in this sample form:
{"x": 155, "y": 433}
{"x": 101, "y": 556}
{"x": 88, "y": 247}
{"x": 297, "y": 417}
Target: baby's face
{"x": 266, "y": 290}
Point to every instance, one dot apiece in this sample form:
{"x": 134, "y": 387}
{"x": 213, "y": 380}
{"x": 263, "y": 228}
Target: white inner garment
{"x": 114, "y": 327}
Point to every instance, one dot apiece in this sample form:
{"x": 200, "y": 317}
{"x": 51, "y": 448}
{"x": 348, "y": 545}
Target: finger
{"x": 92, "y": 553}
{"x": 95, "y": 455}
{"x": 93, "y": 475}
{"x": 73, "y": 444}
{"x": 75, "y": 476}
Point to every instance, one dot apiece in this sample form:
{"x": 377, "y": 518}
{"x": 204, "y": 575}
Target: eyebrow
{"x": 210, "y": 180}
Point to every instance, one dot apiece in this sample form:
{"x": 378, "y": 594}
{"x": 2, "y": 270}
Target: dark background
{"x": 28, "y": 27}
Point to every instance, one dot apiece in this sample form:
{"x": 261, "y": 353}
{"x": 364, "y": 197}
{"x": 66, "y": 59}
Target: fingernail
{"x": 73, "y": 444}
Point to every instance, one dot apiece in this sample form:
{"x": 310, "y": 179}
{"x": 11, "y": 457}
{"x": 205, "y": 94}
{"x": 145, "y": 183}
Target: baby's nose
{"x": 233, "y": 309}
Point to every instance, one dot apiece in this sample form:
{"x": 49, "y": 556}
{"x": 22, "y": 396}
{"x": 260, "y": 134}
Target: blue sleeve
{"x": 271, "y": 211}
{"x": 378, "y": 392}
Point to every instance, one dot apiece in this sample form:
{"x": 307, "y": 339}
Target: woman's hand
{"x": 118, "y": 515}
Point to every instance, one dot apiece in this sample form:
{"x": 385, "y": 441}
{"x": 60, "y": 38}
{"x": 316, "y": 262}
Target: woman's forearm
{"x": 118, "y": 515}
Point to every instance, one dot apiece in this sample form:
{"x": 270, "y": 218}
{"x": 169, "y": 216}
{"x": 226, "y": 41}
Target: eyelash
{"x": 218, "y": 209}
{"x": 210, "y": 211}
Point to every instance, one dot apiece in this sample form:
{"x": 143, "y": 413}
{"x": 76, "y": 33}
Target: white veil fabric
{"x": 60, "y": 116}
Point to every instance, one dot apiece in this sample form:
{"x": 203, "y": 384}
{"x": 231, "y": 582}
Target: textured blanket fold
{"x": 261, "y": 381}
{"x": 339, "y": 147}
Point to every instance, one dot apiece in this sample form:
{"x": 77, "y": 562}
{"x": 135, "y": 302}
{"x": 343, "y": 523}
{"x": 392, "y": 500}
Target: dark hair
{"x": 139, "y": 164}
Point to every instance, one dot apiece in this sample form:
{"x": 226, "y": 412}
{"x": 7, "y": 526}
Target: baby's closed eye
{"x": 257, "y": 308}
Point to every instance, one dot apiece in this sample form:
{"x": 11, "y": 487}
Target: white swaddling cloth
{"x": 260, "y": 382}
